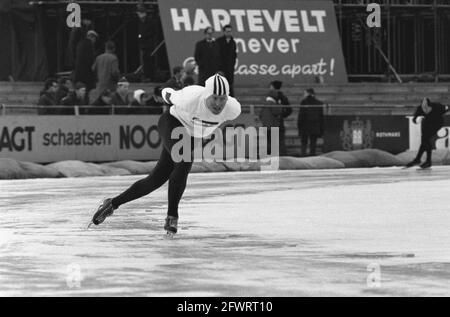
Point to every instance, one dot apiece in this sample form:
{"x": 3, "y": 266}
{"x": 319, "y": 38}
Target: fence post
{"x": 77, "y": 110}
{"x": 3, "y": 108}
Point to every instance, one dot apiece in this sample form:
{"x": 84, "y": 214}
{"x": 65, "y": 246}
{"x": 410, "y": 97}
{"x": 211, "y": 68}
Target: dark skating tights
{"x": 425, "y": 146}
{"x": 165, "y": 169}
{"x": 312, "y": 143}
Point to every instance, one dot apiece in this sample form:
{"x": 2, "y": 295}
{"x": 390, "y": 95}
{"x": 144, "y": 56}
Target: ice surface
{"x": 289, "y": 233}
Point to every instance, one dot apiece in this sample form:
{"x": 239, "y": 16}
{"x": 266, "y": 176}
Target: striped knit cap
{"x": 217, "y": 85}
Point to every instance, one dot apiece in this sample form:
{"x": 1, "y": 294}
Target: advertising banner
{"x": 291, "y": 41}
{"x": 45, "y": 139}
{"x": 346, "y": 133}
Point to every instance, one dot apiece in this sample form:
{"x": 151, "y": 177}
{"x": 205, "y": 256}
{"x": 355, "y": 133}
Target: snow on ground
{"x": 349, "y": 232}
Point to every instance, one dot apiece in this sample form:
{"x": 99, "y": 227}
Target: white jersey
{"x": 189, "y": 107}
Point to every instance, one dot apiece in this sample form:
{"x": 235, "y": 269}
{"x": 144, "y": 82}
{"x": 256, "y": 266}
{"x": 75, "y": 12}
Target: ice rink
{"x": 350, "y": 232}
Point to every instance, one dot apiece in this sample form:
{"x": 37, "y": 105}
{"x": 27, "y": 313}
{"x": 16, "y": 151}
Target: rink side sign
{"x": 347, "y": 133}
{"x": 293, "y": 41}
{"x": 45, "y": 139}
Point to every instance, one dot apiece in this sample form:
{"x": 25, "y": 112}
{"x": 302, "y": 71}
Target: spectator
{"x": 103, "y": 103}
{"x": 120, "y": 97}
{"x": 188, "y": 81}
{"x": 228, "y": 50}
{"x": 106, "y": 68}
{"x": 139, "y": 100}
{"x": 189, "y": 70}
{"x": 281, "y": 99}
{"x": 146, "y": 35}
{"x": 64, "y": 87}
{"x": 433, "y": 120}
{"x": 310, "y": 122}
{"x": 76, "y": 36}
{"x": 270, "y": 117}
{"x": 48, "y": 97}
{"x": 85, "y": 60}
{"x": 175, "y": 81}
{"x": 207, "y": 56}
{"x": 156, "y": 103}
{"x": 79, "y": 97}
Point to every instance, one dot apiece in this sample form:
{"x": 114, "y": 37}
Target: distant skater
{"x": 433, "y": 121}
{"x": 196, "y": 110}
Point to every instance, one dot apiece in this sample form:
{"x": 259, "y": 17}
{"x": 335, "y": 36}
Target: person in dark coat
{"x": 64, "y": 87}
{"x": 79, "y": 97}
{"x": 281, "y": 100}
{"x": 106, "y": 69}
{"x": 76, "y": 36}
{"x": 310, "y": 122}
{"x": 188, "y": 81}
{"x": 433, "y": 121}
{"x": 84, "y": 61}
{"x": 147, "y": 38}
{"x": 48, "y": 97}
{"x": 120, "y": 98}
{"x": 102, "y": 105}
{"x": 270, "y": 117}
{"x": 175, "y": 81}
{"x": 156, "y": 103}
{"x": 207, "y": 56}
{"x": 228, "y": 51}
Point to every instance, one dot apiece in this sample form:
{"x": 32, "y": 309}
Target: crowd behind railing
{"x": 94, "y": 79}
{"x": 59, "y": 97}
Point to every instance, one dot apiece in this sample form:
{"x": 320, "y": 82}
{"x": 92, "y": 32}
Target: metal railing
{"x": 329, "y": 109}
{"x": 82, "y": 110}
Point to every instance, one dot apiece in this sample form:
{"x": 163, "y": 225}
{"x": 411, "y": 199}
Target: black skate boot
{"x": 412, "y": 163}
{"x": 105, "y": 210}
{"x": 171, "y": 225}
{"x": 425, "y": 165}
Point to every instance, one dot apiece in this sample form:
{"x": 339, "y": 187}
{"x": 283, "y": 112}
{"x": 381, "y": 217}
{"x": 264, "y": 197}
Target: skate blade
{"x": 170, "y": 235}
{"x": 410, "y": 167}
{"x": 89, "y": 224}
